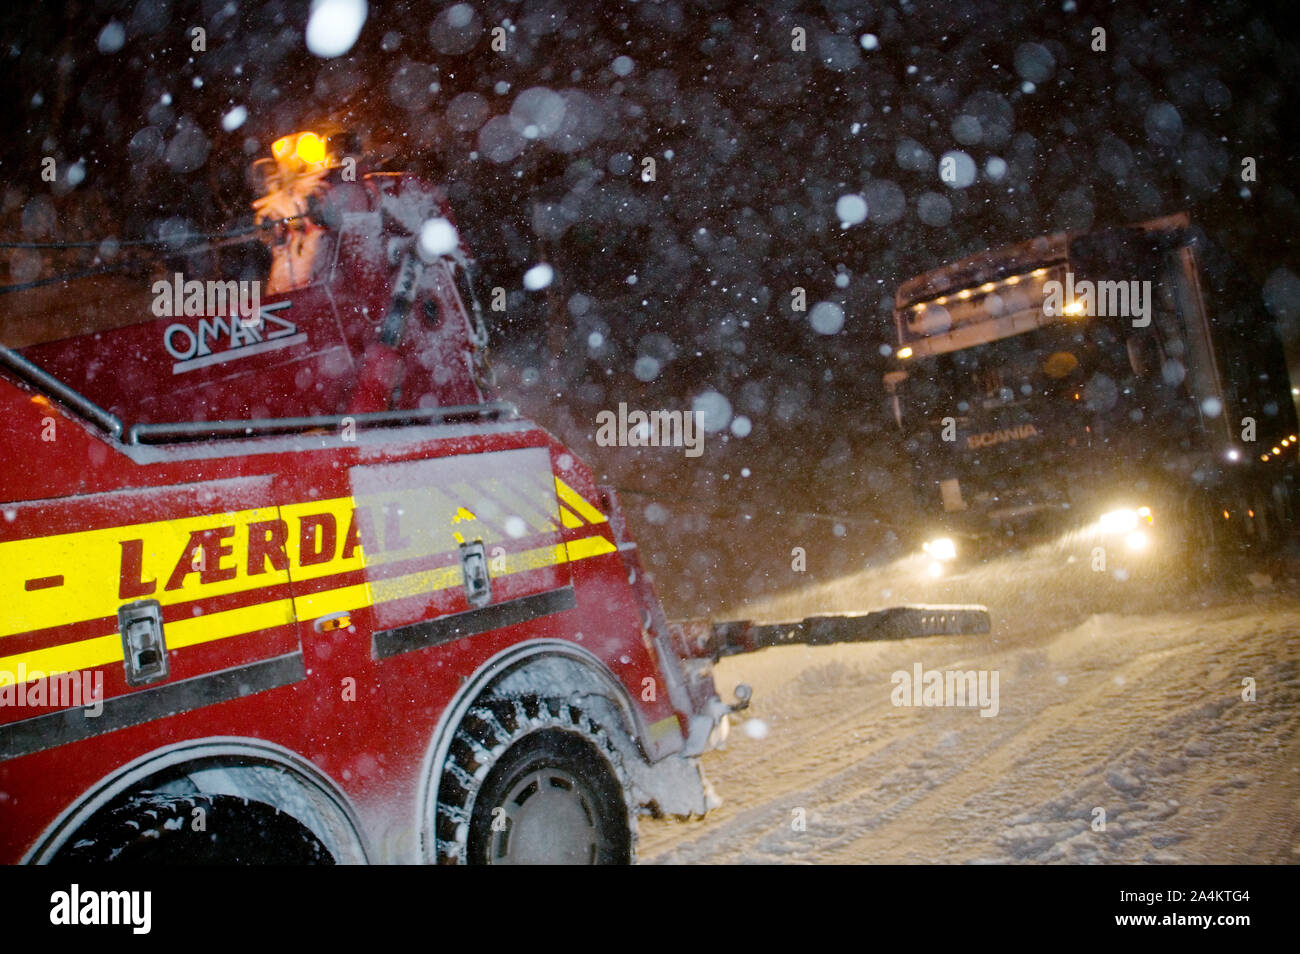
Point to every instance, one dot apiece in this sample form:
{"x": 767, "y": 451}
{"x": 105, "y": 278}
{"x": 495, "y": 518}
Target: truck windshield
{"x": 1084, "y": 357}
{"x": 1048, "y": 366}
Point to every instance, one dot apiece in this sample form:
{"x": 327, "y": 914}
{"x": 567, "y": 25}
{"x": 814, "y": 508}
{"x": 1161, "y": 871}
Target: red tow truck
{"x": 286, "y": 585}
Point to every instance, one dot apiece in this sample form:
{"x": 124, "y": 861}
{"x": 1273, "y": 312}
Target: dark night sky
{"x": 762, "y": 140}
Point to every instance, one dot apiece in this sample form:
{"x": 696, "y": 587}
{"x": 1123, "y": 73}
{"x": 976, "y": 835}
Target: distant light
{"x": 1225, "y": 515}
{"x": 1013, "y": 280}
{"x": 1119, "y": 521}
{"x": 1039, "y": 272}
{"x": 941, "y": 548}
{"x": 1137, "y": 540}
{"x": 988, "y": 287}
{"x": 1292, "y": 438}
{"x": 1263, "y": 457}
{"x": 941, "y": 301}
{"x": 964, "y": 294}
{"x": 1277, "y": 450}
{"x": 936, "y": 568}
{"x": 1074, "y": 308}
{"x": 1234, "y": 454}
{"x": 1251, "y": 514}
{"x": 904, "y": 353}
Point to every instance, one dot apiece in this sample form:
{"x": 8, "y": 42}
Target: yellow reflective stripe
{"x": 86, "y": 654}
{"x": 105, "y": 650}
{"x": 578, "y": 503}
{"x": 235, "y": 622}
{"x": 537, "y": 514}
{"x": 440, "y": 578}
{"x": 413, "y": 584}
{"x": 588, "y": 547}
{"x": 91, "y": 560}
{"x": 349, "y": 598}
{"x": 326, "y": 602}
{"x": 533, "y": 559}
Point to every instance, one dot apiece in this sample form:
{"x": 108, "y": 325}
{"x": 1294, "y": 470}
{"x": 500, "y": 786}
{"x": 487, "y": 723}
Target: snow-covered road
{"x": 1139, "y": 714}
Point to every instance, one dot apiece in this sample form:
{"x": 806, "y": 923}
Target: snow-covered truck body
{"x": 1080, "y": 380}
{"x": 305, "y": 600}
{"x": 306, "y": 594}
{"x": 301, "y": 604}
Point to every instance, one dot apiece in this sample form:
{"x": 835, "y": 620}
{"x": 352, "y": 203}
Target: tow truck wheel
{"x": 198, "y": 829}
{"x": 533, "y": 781}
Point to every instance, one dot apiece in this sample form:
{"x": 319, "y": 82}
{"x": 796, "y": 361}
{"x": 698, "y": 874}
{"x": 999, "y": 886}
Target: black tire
{"x": 156, "y": 829}
{"x": 533, "y": 781}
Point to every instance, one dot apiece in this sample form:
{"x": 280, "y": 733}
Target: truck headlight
{"x": 1137, "y": 540}
{"x": 941, "y": 548}
{"x": 1119, "y": 521}
{"x": 1125, "y": 521}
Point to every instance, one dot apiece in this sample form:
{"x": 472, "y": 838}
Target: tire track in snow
{"x": 928, "y": 789}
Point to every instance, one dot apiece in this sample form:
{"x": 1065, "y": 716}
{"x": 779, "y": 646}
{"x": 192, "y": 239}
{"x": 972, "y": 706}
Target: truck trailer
{"x": 1096, "y": 386}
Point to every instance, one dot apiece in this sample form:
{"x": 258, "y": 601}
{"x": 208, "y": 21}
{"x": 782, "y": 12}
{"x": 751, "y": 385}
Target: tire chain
{"x": 527, "y": 714}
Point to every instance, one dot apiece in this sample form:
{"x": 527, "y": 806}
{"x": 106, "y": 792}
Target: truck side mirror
{"x": 1143, "y": 355}
{"x": 892, "y": 380}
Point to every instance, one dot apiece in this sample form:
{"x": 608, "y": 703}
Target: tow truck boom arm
{"x": 702, "y": 639}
